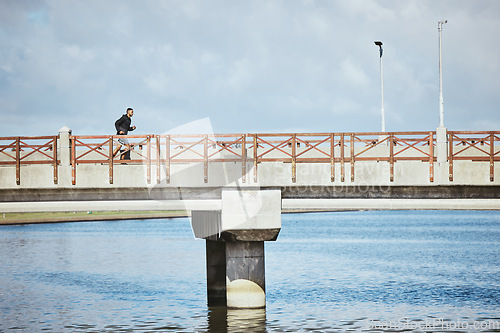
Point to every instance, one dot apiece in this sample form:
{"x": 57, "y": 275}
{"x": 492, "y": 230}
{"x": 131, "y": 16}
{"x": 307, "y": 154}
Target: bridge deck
{"x": 288, "y": 205}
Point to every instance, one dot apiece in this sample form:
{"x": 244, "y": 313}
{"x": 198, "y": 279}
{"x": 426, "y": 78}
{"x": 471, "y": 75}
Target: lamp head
{"x": 379, "y": 43}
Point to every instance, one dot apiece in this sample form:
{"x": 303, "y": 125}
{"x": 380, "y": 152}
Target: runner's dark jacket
{"x": 123, "y": 124}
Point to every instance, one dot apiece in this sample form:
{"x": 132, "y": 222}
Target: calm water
{"x": 421, "y": 271}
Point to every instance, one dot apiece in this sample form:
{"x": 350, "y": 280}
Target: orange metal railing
{"x": 333, "y": 148}
{"x": 350, "y": 147}
{"x": 29, "y": 150}
{"x": 339, "y": 150}
{"x": 473, "y": 146}
{"x": 158, "y": 151}
{"x": 92, "y": 149}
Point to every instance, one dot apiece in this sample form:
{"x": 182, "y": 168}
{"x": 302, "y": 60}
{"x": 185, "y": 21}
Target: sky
{"x": 249, "y": 66}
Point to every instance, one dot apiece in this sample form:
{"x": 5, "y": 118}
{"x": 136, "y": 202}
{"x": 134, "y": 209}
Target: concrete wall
{"x": 269, "y": 174}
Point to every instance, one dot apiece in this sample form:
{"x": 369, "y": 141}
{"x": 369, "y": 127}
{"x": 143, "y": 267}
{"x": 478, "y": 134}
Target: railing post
{"x": 391, "y": 157}
{"x": 255, "y": 145}
{"x": 492, "y": 157}
{"x": 54, "y": 156}
{"x": 158, "y": 159}
{"x": 352, "y": 157}
{"x": 342, "y": 160}
{"x": 148, "y": 161}
{"x": 332, "y": 157}
{"x": 167, "y": 159}
{"x": 294, "y": 156}
{"x": 441, "y": 145}
{"x": 18, "y": 161}
{"x": 64, "y": 156}
{"x": 110, "y": 156}
{"x": 205, "y": 159}
{"x": 73, "y": 161}
{"x": 450, "y": 156}
{"x": 431, "y": 156}
{"x": 243, "y": 158}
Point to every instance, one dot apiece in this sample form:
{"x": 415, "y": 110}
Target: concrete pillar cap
{"x": 65, "y": 129}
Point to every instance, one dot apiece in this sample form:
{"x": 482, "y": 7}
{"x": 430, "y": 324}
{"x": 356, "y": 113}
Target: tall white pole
{"x": 382, "y": 91}
{"x": 441, "y": 103}
{"x": 382, "y": 112}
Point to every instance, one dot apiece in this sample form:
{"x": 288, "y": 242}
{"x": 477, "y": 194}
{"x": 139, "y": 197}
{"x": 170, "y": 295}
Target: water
{"x": 375, "y": 271}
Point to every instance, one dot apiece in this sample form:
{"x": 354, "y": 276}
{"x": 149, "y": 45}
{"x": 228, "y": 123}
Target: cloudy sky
{"x": 249, "y": 65}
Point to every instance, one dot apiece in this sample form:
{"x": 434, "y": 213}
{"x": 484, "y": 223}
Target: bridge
{"x": 380, "y": 165}
{"x": 236, "y": 186}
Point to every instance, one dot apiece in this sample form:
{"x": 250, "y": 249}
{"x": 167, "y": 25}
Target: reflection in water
{"x": 222, "y": 319}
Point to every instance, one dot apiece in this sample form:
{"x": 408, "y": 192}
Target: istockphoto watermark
{"x": 434, "y": 324}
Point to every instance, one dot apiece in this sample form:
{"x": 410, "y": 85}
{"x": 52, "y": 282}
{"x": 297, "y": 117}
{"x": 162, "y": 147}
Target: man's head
{"x": 130, "y": 112}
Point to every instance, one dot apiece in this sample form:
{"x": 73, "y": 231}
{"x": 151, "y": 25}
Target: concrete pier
{"x": 236, "y": 274}
{"x": 235, "y": 238}
{"x": 216, "y": 273}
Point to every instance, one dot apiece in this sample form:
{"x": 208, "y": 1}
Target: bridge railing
{"x": 344, "y": 148}
{"x": 98, "y": 149}
{"x": 159, "y": 150}
{"x": 339, "y": 150}
{"x": 473, "y": 146}
{"x": 205, "y": 149}
{"x": 29, "y": 150}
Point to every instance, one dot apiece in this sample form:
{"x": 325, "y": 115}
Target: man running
{"x": 122, "y": 126}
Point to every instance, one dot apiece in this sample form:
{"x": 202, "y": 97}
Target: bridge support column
{"x": 216, "y": 273}
{"x": 235, "y": 239}
{"x": 236, "y": 274}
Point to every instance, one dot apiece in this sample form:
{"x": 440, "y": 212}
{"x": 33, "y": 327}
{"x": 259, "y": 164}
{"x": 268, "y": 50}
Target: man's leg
{"x": 127, "y": 155}
{"x": 116, "y": 150}
{"x": 125, "y": 152}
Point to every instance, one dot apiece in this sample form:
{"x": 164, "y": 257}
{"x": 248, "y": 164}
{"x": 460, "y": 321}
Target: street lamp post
{"x": 441, "y": 132}
{"x": 441, "y": 108}
{"x": 379, "y": 44}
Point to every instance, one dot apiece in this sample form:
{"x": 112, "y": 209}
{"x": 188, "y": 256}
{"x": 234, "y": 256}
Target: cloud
{"x": 249, "y": 66}
{"x": 370, "y": 10}
{"x": 352, "y": 73}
